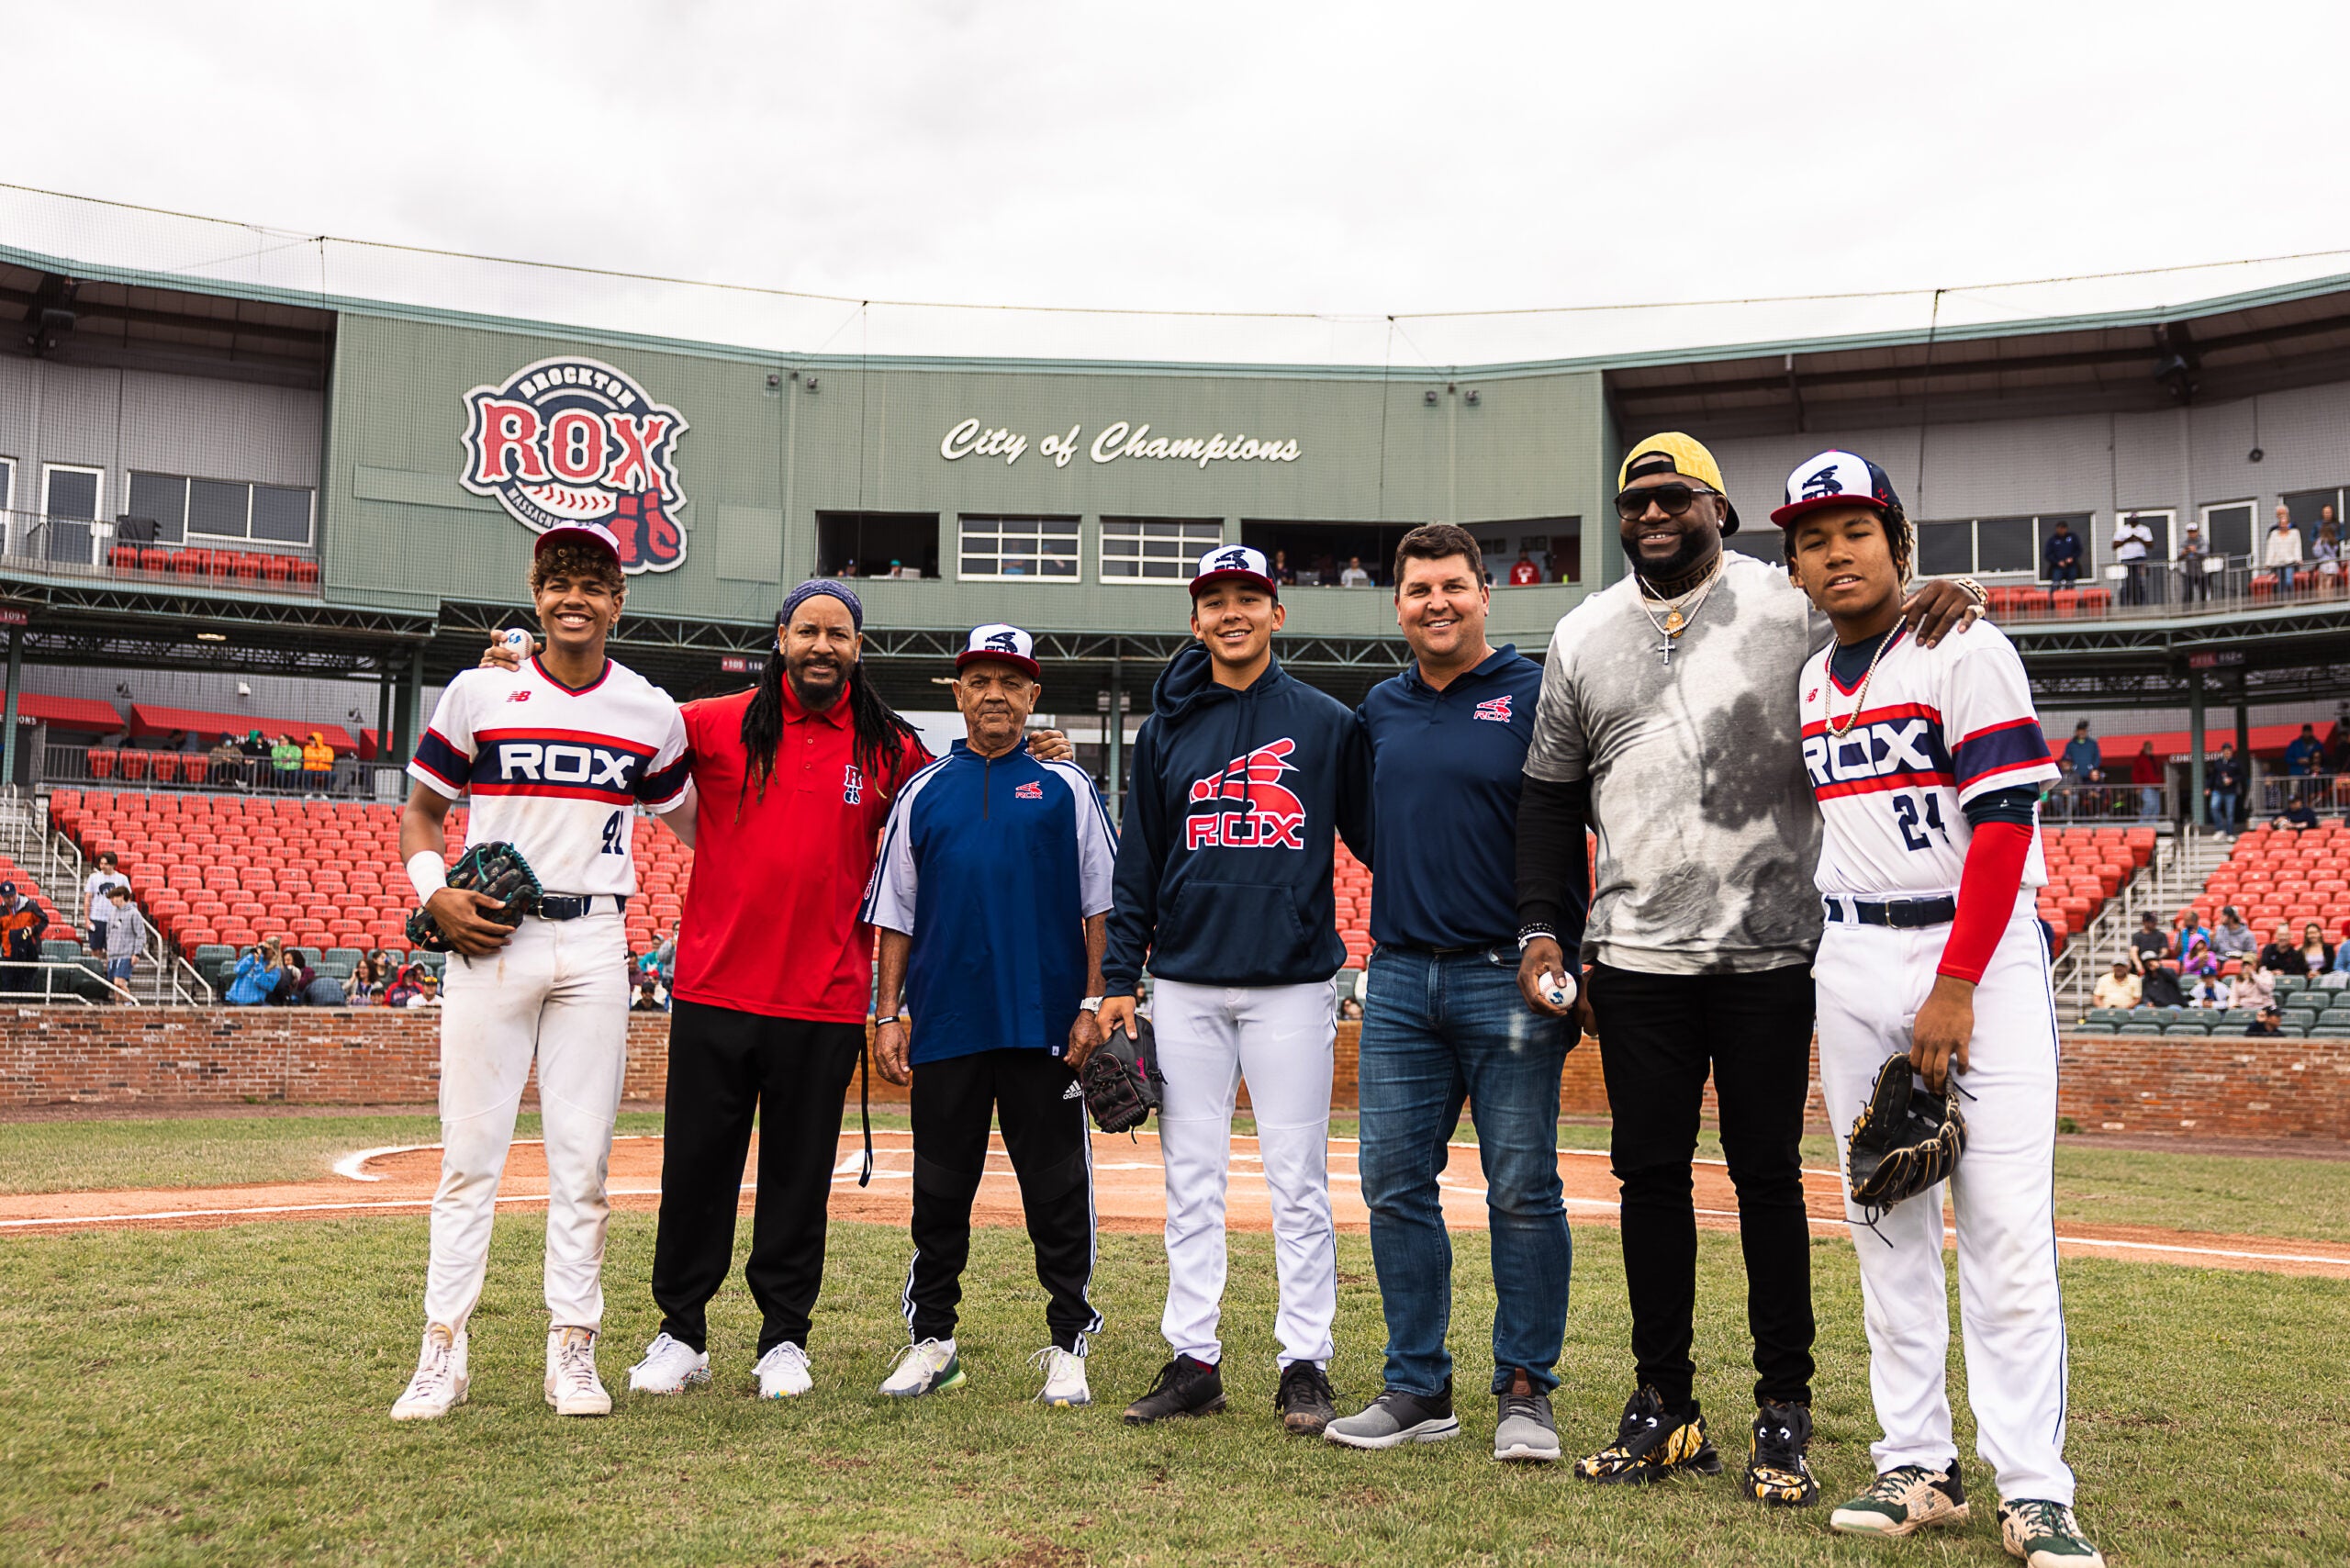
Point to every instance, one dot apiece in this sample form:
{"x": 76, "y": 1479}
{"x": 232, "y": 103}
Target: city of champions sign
{"x": 1116, "y": 440}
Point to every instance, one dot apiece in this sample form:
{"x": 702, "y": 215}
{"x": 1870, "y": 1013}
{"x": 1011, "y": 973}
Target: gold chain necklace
{"x": 1674, "y": 621}
{"x": 1861, "y": 696}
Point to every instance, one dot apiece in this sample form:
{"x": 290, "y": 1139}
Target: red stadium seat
{"x": 277, "y": 568}
{"x": 131, "y": 764}
{"x": 101, "y": 763}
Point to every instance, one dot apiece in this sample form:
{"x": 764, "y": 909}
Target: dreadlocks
{"x": 881, "y": 735}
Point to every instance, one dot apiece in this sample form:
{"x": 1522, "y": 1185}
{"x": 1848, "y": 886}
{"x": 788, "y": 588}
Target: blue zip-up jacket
{"x": 991, "y": 865}
{"x": 1449, "y": 763}
{"x": 250, "y": 986}
{"x": 1225, "y": 854}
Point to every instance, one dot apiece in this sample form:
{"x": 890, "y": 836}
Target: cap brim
{"x": 978, "y": 655}
{"x": 1207, "y": 580}
{"x": 1793, "y": 510}
{"x": 567, "y": 534}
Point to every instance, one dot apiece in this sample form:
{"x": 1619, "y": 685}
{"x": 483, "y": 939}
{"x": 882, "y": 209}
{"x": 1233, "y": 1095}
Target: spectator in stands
{"x": 366, "y": 988}
{"x": 224, "y": 764}
{"x": 2256, "y": 987}
{"x": 318, "y": 764}
{"x": 1283, "y": 573}
{"x": 2316, "y": 953}
{"x": 2301, "y": 758}
{"x": 21, "y": 925}
{"x": 2063, "y": 555}
{"x": 2186, "y": 934}
{"x": 250, "y": 986}
{"x": 2225, "y": 776}
{"x": 1354, "y": 575}
{"x": 2300, "y": 815}
{"x": 2281, "y": 551}
{"x": 2192, "y": 553}
{"x": 292, "y": 981}
{"x": 404, "y": 985}
{"x": 126, "y": 935}
{"x": 286, "y": 763}
{"x": 2212, "y": 993}
{"x": 2146, "y": 772}
{"x": 1349, "y": 1009}
{"x": 648, "y": 997}
{"x": 427, "y": 990}
{"x": 323, "y": 990}
{"x": 2161, "y": 987}
{"x": 2326, "y": 551}
{"x": 2148, "y": 946}
{"x": 2117, "y": 989}
{"x": 2232, "y": 938}
{"x": 1523, "y": 572}
{"x": 2270, "y": 1021}
{"x": 2131, "y": 539}
{"x": 2084, "y": 754}
{"x": 102, "y": 908}
{"x": 2283, "y": 955}
{"x": 254, "y": 748}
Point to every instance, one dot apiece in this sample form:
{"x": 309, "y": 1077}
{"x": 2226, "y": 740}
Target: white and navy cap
{"x": 589, "y": 533}
{"x": 1227, "y": 563}
{"x": 1834, "y": 479}
{"x": 1001, "y": 640}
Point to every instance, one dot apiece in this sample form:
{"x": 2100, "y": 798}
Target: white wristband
{"x": 1090, "y": 1005}
{"x": 428, "y": 873}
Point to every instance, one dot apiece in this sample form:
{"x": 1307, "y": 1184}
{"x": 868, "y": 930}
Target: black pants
{"x": 1659, "y": 1034}
{"x": 726, "y": 1067}
{"x": 1044, "y": 1132}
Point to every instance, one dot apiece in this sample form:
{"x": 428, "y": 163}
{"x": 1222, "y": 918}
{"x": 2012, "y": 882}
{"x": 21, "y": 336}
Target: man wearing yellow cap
{"x": 1665, "y": 724}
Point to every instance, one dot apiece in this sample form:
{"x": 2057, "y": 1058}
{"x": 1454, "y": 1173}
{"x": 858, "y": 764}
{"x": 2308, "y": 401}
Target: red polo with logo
{"x": 770, "y": 921}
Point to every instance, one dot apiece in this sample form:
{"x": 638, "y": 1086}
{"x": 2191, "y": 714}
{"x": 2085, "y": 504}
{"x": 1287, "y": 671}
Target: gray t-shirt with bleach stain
{"x": 1707, "y": 834}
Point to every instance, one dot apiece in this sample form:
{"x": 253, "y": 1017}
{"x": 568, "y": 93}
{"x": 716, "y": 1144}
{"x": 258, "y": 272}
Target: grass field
{"x": 2247, "y": 1195}
{"x": 219, "y": 1397}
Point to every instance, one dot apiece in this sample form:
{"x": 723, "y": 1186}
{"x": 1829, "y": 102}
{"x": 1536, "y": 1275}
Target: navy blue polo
{"x": 1446, "y": 771}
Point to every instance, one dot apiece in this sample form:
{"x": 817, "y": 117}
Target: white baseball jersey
{"x": 556, "y": 772}
{"x": 1942, "y": 726}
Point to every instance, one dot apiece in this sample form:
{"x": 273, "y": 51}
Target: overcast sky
{"x": 1343, "y": 161}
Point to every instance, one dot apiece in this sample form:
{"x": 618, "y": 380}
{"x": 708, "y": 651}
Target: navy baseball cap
{"x": 1835, "y": 479}
{"x": 1231, "y": 563}
{"x": 1001, "y": 640}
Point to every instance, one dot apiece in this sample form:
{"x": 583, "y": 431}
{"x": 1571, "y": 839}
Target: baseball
{"x": 1558, "y": 990}
{"x": 516, "y": 638}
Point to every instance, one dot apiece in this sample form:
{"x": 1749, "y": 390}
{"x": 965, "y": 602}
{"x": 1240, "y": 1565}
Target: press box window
{"x": 876, "y": 543}
{"x": 219, "y": 508}
{"x": 1018, "y": 547}
{"x": 1155, "y": 549}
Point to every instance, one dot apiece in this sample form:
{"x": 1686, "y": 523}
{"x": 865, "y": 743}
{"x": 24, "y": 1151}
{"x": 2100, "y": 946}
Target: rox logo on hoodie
{"x": 1244, "y": 805}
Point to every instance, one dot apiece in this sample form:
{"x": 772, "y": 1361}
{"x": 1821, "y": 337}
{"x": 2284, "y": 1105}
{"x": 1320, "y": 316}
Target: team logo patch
{"x": 1031, "y": 791}
{"x": 571, "y": 440}
{"x": 1888, "y": 754}
{"x": 1497, "y": 710}
{"x": 852, "y": 785}
{"x": 1244, "y": 805}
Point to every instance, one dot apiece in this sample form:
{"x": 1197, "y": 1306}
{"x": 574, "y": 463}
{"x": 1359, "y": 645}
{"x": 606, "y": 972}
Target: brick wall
{"x": 2210, "y": 1087}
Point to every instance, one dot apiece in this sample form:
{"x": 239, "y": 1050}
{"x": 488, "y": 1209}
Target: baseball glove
{"x": 1121, "y": 1080}
{"x": 1909, "y": 1139}
{"x": 497, "y": 869}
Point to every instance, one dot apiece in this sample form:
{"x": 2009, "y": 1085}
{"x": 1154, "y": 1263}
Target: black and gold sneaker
{"x": 1777, "y": 1473}
{"x": 1652, "y": 1445}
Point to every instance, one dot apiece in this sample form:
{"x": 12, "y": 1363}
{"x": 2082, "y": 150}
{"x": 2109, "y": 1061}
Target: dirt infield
{"x": 1127, "y": 1197}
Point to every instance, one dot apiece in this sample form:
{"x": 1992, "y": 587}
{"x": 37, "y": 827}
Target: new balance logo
{"x": 522, "y": 696}
{"x": 1497, "y": 710}
{"x": 1244, "y": 806}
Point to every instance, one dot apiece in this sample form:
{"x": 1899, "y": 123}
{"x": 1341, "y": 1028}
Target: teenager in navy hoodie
{"x": 1241, "y": 775}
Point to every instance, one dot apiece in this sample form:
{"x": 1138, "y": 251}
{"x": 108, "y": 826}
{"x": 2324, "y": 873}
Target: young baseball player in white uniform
{"x": 554, "y": 756}
{"x": 1927, "y": 764}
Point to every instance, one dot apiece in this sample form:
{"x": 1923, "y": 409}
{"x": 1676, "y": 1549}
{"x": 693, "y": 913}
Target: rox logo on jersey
{"x": 580, "y": 765}
{"x": 572, "y": 439}
{"x": 1244, "y": 805}
{"x": 1885, "y": 753}
{"x": 1496, "y": 709}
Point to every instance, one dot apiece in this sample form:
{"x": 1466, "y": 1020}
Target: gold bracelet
{"x": 1973, "y": 590}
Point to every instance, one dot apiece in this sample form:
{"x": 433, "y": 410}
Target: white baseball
{"x": 569, "y": 500}
{"x": 1558, "y": 990}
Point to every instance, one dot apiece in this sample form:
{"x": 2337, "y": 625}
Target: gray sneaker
{"x": 1524, "y": 1431}
{"x": 1396, "y": 1418}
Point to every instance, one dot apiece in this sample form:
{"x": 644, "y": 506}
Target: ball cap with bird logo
{"x": 1002, "y": 641}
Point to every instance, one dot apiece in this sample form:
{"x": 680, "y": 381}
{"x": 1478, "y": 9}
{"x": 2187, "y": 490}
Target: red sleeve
{"x": 1986, "y": 897}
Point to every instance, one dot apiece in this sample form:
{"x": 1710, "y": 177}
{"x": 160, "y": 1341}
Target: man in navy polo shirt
{"x": 1444, "y": 1019}
{"x": 992, "y": 895}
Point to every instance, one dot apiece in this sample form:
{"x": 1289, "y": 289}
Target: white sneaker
{"x": 930, "y": 1367}
{"x": 669, "y": 1367}
{"x": 573, "y": 1387}
{"x": 1064, "y": 1376}
{"x": 783, "y": 1372}
{"x": 438, "y": 1385}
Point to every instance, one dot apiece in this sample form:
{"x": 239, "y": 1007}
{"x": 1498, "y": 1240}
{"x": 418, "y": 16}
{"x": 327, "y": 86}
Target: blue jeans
{"x": 2224, "y": 809}
{"x": 1436, "y": 1031}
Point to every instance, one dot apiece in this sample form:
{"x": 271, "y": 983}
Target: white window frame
{"x": 993, "y": 523}
{"x": 2170, "y": 526}
{"x": 1194, "y": 537}
{"x": 190, "y": 534}
{"x": 2203, "y": 521}
{"x": 98, "y": 521}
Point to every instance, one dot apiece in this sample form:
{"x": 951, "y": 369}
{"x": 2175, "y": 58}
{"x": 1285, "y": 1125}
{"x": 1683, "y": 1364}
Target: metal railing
{"x": 2321, "y": 793}
{"x": 2172, "y": 879}
{"x": 16, "y": 977}
{"x": 2136, "y": 805}
{"x": 130, "y": 767}
{"x": 2157, "y": 589}
{"x": 58, "y": 864}
{"x": 81, "y": 548}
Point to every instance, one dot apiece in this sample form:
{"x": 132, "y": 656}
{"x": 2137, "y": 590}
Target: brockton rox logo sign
{"x": 1119, "y": 439}
{"x": 571, "y": 440}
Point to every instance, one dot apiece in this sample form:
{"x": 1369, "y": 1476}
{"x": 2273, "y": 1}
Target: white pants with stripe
{"x": 1872, "y": 981}
{"x": 557, "y": 993}
{"x": 1278, "y": 1039}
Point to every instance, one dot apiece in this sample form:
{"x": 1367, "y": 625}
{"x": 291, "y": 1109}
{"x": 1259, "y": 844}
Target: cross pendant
{"x": 1667, "y": 651}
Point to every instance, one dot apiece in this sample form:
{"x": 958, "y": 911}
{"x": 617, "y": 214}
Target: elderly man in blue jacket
{"x": 1241, "y": 776}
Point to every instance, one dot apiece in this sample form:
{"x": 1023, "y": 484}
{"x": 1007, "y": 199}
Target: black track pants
{"x": 1029, "y": 1092}
{"x": 726, "y": 1068}
{"x": 1659, "y": 1036}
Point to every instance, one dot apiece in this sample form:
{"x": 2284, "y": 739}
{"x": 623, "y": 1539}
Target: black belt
{"x": 571, "y": 906}
{"x": 1479, "y": 947}
{"x": 1904, "y": 915}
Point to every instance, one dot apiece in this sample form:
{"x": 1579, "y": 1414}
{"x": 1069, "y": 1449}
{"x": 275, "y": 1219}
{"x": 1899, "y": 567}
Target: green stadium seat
{"x": 2187, "y": 1026}
{"x": 56, "y": 952}
{"x": 2309, "y": 1001}
{"x": 2088, "y": 1025}
{"x": 348, "y": 956}
{"x": 2239, "y": 1017}
{"x": 2289, "y": 983}
{"x": 2324, "y": 1031}
{"x": 212, "y": 952}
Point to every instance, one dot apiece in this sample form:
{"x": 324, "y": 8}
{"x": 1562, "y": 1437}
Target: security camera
{"x": 244, "y": 689}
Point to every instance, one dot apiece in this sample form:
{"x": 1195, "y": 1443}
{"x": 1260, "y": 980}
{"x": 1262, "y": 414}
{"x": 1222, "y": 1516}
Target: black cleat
{"x": 1777, "y": 1473}
{"x": 1305, "y": 1400}
{"x": 1183, "y": 1387}
{"x": 1653, "y": 1446}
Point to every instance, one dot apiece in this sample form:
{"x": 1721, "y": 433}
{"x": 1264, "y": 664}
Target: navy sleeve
{"x": 1553, "y": 858}
{"x": 1142, "y": 855}
{"x": 1357, "y": 821}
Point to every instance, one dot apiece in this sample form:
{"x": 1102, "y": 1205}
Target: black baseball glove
{"x": 497, "y": 869}
{"x": 1121, "y": 1080}
{"x": 1909, "y": 1139}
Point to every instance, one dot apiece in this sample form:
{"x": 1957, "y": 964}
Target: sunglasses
{"x": 1673, "y": 499}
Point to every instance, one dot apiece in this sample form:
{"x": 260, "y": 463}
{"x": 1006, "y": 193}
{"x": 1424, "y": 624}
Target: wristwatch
{"x": 1090, "y": 1005}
